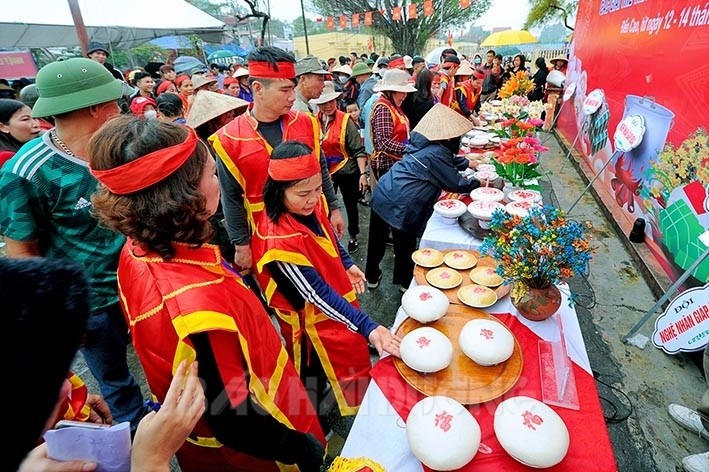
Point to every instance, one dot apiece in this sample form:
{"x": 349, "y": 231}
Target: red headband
{"x": 181, "y": 78}
{"x": 267, "y": 70}
{"x": 293, "y": 168}
{"x": 398, "y": 62}
{"x": 147, "y": 170}
{"x": 478, "y": 75}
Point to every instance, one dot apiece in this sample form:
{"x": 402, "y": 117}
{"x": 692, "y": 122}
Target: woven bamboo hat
{"x": 209, "y": 105}
{"x": 199, "y": 80}
{"x": 465, "y": 69}
{"x": 441, "y": 122}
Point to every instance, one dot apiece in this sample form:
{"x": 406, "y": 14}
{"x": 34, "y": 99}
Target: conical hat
{"x": 209, "y": 105}
{"x": 441, "y": 122}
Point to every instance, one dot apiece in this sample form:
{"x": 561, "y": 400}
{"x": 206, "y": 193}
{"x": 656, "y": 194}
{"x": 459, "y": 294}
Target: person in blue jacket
{"x": 404, "y": 197}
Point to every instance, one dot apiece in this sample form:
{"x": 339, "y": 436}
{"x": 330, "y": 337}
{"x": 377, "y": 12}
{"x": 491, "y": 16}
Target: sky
{"x": 502, "y": 12}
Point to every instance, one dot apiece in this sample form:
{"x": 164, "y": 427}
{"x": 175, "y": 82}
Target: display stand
{"x": 556, "y": 371}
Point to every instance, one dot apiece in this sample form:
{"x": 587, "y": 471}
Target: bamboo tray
{"x": 463, "y": 380}
{"x": 452, "y": 293}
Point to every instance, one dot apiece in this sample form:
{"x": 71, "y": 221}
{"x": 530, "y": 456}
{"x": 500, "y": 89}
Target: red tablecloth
{"x": 590, "y": 448}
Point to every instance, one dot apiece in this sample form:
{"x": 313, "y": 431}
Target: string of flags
{"x": 412, "y": 13}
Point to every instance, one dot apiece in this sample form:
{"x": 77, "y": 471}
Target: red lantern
{"x": 396, "y": 13}
{"x": 412, "y": 11}
{"x": 428, "y": 8}
{"x": 368, "y": 19}
{"x": 330, "y": 22}
{"x": 343, "y": 22}
{"x": 355, "y": 20}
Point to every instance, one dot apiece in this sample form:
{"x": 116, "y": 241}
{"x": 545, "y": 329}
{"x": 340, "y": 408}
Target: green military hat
{"x": 360, "y": 69}
{"x": 73, "y": 84}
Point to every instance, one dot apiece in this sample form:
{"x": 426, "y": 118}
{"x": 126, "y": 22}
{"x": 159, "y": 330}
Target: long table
{"x": 379, "y": 431}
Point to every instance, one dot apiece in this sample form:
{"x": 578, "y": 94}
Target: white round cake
{"x": 524, "y": 195}
{"x": 486, "y": 342}
{"x": 485, "y": 176}
{"x": 449, "y": 209}
{"x": 531, "y": 432}
{"x": 426, "y": 350}
{"x": 487, "y": 194}
{"x": 486, "y": 168}
{"x": 424, "y": 303}
{"x": 442, "y": 433}
{"x": 483, "y": 210}
{"x": 520, "y": 209}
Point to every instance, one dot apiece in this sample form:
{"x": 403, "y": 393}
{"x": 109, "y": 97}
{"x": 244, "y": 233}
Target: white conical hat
{"x": 209, "y": 105}
{"x": 442, "y": 122}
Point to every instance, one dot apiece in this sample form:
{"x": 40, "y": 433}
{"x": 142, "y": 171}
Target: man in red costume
{"x": 244, "y": 147}
{"x": 182, "y": 301}
{"x": 447, "y": 72}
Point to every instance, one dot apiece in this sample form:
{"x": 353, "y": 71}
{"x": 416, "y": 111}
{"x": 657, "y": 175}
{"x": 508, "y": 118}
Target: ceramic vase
{"x": 535, "y": 304}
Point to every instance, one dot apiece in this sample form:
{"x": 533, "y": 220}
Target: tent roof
{"x": 124, "y": 23}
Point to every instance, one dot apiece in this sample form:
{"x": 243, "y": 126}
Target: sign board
{"x": 684, "y": 326}
{"x": 593, "y": 102}
{"x": 629, "y": 133}
{"x": 16, "y": 65}
{"x": 569, "y": 91}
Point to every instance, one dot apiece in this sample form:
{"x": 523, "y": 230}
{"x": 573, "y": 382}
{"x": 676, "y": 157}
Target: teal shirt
{"x": 45, "y": 195}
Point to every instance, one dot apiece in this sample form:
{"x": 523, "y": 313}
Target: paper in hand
{"x": 108, "y": 447}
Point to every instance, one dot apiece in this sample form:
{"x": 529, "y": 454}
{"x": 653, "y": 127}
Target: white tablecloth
{"x": 378, "y": 431}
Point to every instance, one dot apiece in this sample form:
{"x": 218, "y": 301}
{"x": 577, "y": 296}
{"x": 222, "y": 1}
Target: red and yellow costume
{"x": 470, "y": 94}
{"x": 166, "y": 302}
{"x": 333, "y": 142}
{"x": 246, "y": 153}
{"x": 344, "y": 354}
{"x": 447, "y": 85}
{"x": 400, "y": 131}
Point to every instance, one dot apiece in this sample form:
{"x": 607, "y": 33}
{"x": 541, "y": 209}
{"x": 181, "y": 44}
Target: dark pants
{"x": 404, "y": 247}
{"x": 349, "y": 187}
{"x": 104, "y": 351}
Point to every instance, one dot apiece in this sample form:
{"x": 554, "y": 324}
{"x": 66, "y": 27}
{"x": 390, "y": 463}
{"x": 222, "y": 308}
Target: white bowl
{"x": 442, "y": 433}
{"x": 486, "y": 167}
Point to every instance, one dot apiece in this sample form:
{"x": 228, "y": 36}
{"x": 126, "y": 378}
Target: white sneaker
{"x": 689, "y": 419}
{"x": 696, "y": 463}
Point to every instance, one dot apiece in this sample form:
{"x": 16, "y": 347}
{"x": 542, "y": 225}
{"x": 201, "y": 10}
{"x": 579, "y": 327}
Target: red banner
{"x": 355, "y": 20}
{"x": 343, "y": 22}
{"x": 428, "y": 8}
{"x": 464, "y": 3}
{"x": 412, "y": 11}
{"x": 368, "y": 19}
{"x": 664, "y": 179}
{"x": 396, "y": 13}
{"x": 330, "y": 22}
{"x": 16, "y": 65}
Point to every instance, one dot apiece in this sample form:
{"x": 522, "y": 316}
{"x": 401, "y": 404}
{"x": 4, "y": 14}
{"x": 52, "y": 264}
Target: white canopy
{"x": 116, "y": 23}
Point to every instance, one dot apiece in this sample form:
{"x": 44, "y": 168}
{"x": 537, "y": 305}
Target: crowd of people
{"x": 203, "y": 210}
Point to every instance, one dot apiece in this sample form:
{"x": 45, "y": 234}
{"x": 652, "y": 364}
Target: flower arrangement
{"x": 518, "y": 162}
{"x": 539, "y": 249}
{"x": 518, "y": 84}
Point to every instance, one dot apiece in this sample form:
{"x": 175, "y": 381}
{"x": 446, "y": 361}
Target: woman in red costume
{"x": 182, "y": 301}
{"x": 312, "y": 284}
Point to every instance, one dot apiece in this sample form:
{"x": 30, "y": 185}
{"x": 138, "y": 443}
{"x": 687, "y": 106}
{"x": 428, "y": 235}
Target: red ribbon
{"x": 147, "y": 170}
{"x": 269, "y": 70}
{"x": 293, "y": 168}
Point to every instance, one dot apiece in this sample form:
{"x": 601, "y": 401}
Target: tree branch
{"x": 564, "y": 14}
